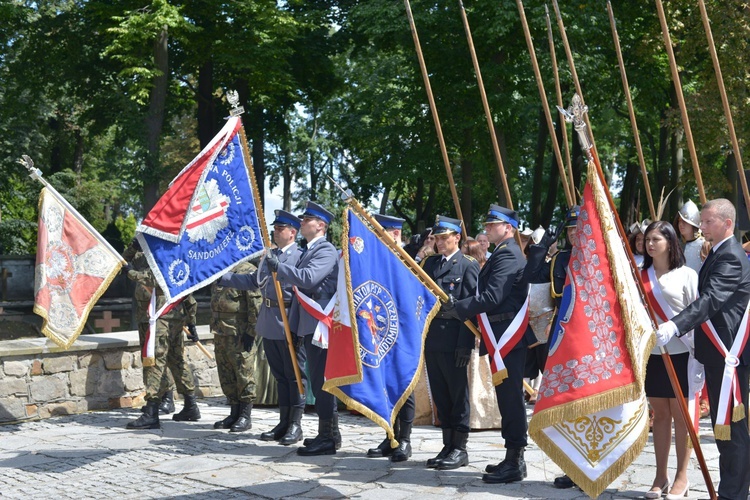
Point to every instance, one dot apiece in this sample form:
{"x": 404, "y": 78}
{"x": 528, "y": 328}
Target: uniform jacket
{"x": 315, "y": 274}
{"x": 457, "y": 277}
{"x": 146, "y": 284}
{"x": 269, "y": 324}
{"x": 503, "y": 288}
{"x": 233, "y": 311}
{"x": 724, "y": 288}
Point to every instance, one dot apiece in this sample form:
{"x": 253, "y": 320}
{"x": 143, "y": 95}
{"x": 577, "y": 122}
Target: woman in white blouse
{"x": 670, "y": 287}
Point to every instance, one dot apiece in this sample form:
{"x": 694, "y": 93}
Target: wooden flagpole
{"x": 575, "y": 113}
{"x": 237, "y": 110}
{"x": 725, "y": 104}
{"x": 631, "y": 111}
{"x": 681, "y": 101}
{"x": 560, "y": 105}
{"x": 488, "y": 114}
{"x": 435, "y": 117}
{"x": 543, "y": 97}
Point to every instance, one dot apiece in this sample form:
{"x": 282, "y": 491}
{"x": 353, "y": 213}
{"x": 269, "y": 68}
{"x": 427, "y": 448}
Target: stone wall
{"x": 39, "y": 380}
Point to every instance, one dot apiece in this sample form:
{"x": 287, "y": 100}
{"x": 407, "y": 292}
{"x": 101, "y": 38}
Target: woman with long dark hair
{"x": 670, "y": 287}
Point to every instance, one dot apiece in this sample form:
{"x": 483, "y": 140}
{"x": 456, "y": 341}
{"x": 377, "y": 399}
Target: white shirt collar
{"x": 451, "y": 255}
{"x": 313, "y": 241}
{"x": 283, "y": 250}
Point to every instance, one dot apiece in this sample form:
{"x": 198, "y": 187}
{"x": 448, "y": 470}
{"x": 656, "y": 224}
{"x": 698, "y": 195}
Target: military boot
{"x": 190, "y": 412}
{"x": 510, "y": 470}
{"x": 149, "y": 419}
{"x": 244, "y": 422}
{"x": 403, "y": 451}
{"x": 384, "y": 448}
{"x": 458, "y": 456}
{"x": 336, "y": 432}
{"x": 294, "y": 431}
{"x": 447, "y": 441}
{"x": 324, "y": 444}
{"x": 278, "y": 432}
{"x": 167, "y": 403}
{"x": 229, "y": 421}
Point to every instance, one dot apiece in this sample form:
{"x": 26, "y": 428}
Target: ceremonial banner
{"x": 376, "y": 342}
{"x": 206, "y": 222}
{"x": 591, "y": 415}
{"x": 74, "y": 267}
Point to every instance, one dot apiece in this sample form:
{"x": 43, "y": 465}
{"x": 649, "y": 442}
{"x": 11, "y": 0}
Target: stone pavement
{"x": 94, "y": 456}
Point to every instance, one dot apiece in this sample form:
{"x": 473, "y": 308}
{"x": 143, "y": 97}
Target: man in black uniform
{"x": 554, "y": 272}
{"x": 405, "y": 419}
{"x": 502, "y": 291}
{"x": 449, "y": 344}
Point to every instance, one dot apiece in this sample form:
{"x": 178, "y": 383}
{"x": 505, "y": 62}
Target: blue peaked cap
{"x": 446, "y": 224}
{"x": 388, "y": 221}
{"x": 315, "y": 210}
{"x": 496, "y": 213}
{"x": 284, "y": 218}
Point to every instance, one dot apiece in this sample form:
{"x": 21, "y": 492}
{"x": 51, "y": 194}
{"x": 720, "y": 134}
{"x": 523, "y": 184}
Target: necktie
{"x": 442, "y": 262}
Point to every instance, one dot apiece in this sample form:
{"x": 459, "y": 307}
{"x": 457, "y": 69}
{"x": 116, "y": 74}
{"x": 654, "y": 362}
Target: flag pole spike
{"x": 34, "y": 173}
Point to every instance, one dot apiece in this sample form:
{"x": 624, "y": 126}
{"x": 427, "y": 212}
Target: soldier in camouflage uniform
{"x": 234, "y": 314}
{"x": 168, "y": 352}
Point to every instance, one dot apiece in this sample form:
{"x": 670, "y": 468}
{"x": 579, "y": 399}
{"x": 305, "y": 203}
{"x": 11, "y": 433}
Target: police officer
{"x": 502, "y": 291}
{"x": 234, "y": 315}
{"x": 315, "y": 275}
{"x": 271, "y": 328}
{"x": 449, "y": 344}
{"x": 169, "y": 352}
{"x": 405, "y": 417}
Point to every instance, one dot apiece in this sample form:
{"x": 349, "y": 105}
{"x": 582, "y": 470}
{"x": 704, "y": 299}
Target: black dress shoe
{"x": 563, "y": 482}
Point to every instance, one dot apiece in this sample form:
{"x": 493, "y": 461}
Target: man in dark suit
{"x": 724, "y": 288}
{"x": 449, "y": 344}
{"x": 315, "y": 275}
{"x": 502, "y": 292}
{"x": 271, "y": 328}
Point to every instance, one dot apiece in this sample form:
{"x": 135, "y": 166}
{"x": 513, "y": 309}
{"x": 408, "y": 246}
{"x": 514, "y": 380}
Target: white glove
{"x": 665, "y": 333}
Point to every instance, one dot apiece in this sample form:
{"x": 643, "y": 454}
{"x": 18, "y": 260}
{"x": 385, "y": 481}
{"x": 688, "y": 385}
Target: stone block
{"x": 123, "y": 402}
{"x": 57, "y": 409}
{"x": 117, "y": 360}
{"x": 36, "y": 367}
{"x": 47, "y": 389}
{"x": 110, "y": 384}
{"x": 12, "y": 409}
{"x": 137, "y": 360}
{"x": 83, "y": 382}
{"x": 59, "y": 364}
{"x": 15, "y": 368}
{"x": 32, "y": 410}
{"x": 138, "y": 400}
{"x": 90, "y": 359}
{"x": 132, "y": 380}
{"x": 11, "y": 386}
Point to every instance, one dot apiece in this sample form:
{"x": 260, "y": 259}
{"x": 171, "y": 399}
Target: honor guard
{"x": 405, "y": 418}
{"x": 315, "y": 277}
{"x": 502, "y": 291}
{"x": 449, "y": 344}
{"x": 234, "y": 314}
{"x": 270, "y": 328}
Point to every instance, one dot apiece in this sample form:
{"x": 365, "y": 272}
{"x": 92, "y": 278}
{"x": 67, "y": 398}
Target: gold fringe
{"x": 499, "y": 376}
{"x": 333, "y": 386}
{"x": 148, "y": 361}
{"x": 722, "y": 432}
{"x": 738, "y": 412}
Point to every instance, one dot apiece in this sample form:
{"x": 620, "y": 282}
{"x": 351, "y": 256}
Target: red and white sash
{"x": 665, "y": 313}
{"x": 508, "y": 340}
{"x": 324, "y": 316}
{"x": 730, "y": 397}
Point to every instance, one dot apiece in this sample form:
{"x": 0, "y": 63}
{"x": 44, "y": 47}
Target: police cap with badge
{"x": 318, "y": 212}
{"x": 388, "y": 221}
{"x": 284, "y": 218}
{"x": 445, "y": 225}
{"x": 496, "y": 213}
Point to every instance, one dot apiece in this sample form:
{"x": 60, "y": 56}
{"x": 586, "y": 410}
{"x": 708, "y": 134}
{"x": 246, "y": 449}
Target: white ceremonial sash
{"x": 497, "y": 348}
{"x": 324, "y": 317}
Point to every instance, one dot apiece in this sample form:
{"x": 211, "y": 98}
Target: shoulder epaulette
{"x": 470, "y": 258}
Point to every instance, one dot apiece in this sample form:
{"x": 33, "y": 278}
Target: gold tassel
{"x": 499, "y": 376}
{"x": 738, "y": 412}
{"x": 722, "y": 432}
{"x": 149, "y": 361}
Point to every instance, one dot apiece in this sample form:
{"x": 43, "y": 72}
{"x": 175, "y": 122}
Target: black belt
{"x": 501, "y": 317}
{"x": 445, "y": 315}
{"x": 274, "y": 303}
{"x": 317, "y": 297}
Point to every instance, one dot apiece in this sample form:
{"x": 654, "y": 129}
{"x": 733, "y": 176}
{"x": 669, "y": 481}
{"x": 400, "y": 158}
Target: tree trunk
{"x": 678, "y": 156}
{"x": 467, "y": 174}
{"x": 628, "y": 194}
{"x": 155, "y": 121}
{"x": 538, "y": 175}
{"x": 206, "y": 104}
{"x": 553, "y": 182}
{"x": 287, "y": 175}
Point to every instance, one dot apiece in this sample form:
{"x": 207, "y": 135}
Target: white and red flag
{"x": 74, "y": 266}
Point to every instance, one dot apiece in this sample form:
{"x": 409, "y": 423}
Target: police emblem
{"x": 357, "y": 244}
{"x": 377, "y": 315}
{"x": 208, "y": 215}
{"x": 178, "y": 272}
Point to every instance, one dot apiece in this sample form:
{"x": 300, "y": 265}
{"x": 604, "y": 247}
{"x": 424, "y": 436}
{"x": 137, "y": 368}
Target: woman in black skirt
{"x": 670, "y": 287}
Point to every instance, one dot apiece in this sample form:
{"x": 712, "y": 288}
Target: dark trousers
{"x": 325, "y": 402}
{"x": 406, "y": 413}
{"x": 734, "y": 455}
{"x": 510, "y": 400}
{"x": 280, "y": 363}
{"x": 450, "y": 390}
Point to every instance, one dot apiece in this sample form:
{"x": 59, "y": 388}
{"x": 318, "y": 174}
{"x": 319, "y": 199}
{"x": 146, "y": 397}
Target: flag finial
{"x": 234, "y": 101}
{"x": 575, "y": 114}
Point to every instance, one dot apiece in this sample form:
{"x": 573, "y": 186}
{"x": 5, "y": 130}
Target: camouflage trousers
{"x": 236, "y": 368}
{"x": 167, "y": 381}
{"x": 169, "y": 351}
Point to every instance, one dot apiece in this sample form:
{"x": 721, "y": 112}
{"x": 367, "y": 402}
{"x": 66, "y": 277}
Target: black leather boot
{"x": 512, "y": 469}
{"x": 190, "y": 412}
{"x": 447, "y": 441}
{"x": 324, "y": 444}
{"x": 563, "y": 482}
{"x": 384, "y": 448}
{"x": 336, "y": 432}
{"x": 228, "y": 422}
{"x": 244, "y": 422}
{"x": 167, "y": 403}
{"x": 403, "y": 451}
{"x": 149, "y": 419}
{"x": 294, "y": 431}
{"x": 278, "y": 432}
{"x": 457, "y": 457}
